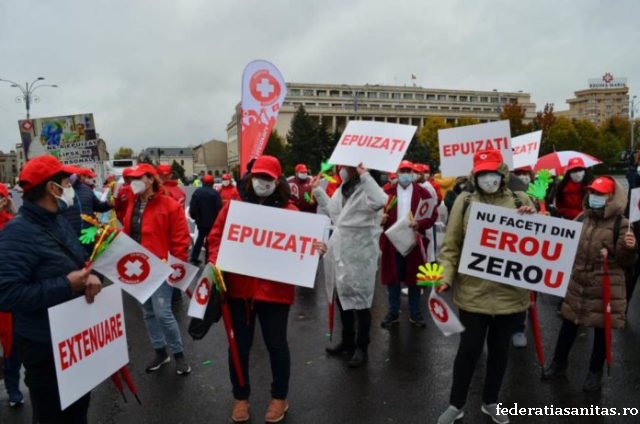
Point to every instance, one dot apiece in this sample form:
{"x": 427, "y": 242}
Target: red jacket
{"x": 242, "y": 286}
{"x": 569, "y": 202}
{"x": 6, "y": 320}
{"x": 298, "y": 190}
{"x": 229, "y": 193}
{"x": 164, "y": 227}
{"x": 388, "y": 270}
{"x": 175, "y": 191}
{"x": 121, "y": 201}
{"x": 437, "y": 188}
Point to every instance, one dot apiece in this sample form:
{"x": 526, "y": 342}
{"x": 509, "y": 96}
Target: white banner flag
{"x": 202, "y": 293}
{"x": 89, "y": 343}
{"x": 634, "y": 205}
{"x": 132, "y": 267}
{"x": 526, "y": 148}
{"x": 183, "y": 273}
{"x": 443, "y": 316}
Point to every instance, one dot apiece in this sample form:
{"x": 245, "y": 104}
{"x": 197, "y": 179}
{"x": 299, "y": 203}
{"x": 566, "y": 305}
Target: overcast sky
{"x": 168, "y": 72}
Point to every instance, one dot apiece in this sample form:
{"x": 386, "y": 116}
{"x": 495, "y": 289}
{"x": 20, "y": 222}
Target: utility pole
{"x": 27, "y": 92}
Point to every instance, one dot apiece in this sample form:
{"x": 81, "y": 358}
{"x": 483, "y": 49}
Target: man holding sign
{"x": 489, "y": 311}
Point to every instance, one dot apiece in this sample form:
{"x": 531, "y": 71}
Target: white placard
{"x": 271, "y": 243}
{"x": 402, "y": 236}
{"x": 377, "y": 145}
{"x": 634, "y": 205}
{"x": 202, "y": 293}
{"x": 89, "y": 343}
{"x": 526, "y": 148}
{"x": 444, "y": 317}
{"x": 183, "y": 273}
{"x": 533, "y": 252}
{"x": 458, "y": 145}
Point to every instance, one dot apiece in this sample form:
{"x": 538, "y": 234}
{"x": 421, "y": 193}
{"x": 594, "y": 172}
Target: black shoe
{"x": 593, "y": 382}
{"x": 554, "y": 371}
{"x": 182, "y": 366}
{"x": 339, "y": 349}
{"x": 418, "y": 321}
{"x": 359, "y": 358}
{"x": 389, "y": 320}
{"x": 157, "y": 362}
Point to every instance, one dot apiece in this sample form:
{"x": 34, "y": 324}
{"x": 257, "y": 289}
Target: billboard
{"x": 607, "y": 81}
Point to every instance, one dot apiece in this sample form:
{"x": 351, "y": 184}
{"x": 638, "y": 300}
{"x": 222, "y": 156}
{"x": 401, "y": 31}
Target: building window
{"x": 398, "y": 106}
{"x": 360, "y": 94}
{"x": 295, "y": 92}
{"x": 386, "y": 106}
{"x": 374, "y": 106}
{"x": 442, "y": 97}
{"x": 322, "y": 93}
{"x": 484, "y": 100}
{"x": 464, "y": 98}
{"x": 334, "y": 93}
{"x": 396, "y": 96}
{"x": 455, "y": 108}
{"x": 407, "y": 96}
{"x": 431, "y": 96}
{"x": 372, "y": 95}
{"x": 384, "y": 95}
{"x": 453, "y": 98}
{"x": 323, "y": 104}
{"x": 513, "y": 100}
{"x": 419, "y": 96}
{"x": 308, "y": 92}
{"x": 422, "y": 107}
{"x": 473, "y": 98}
{"x": 347, "y": 94}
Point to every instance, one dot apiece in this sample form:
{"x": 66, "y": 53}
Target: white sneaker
{"x": 451, "y": 415}
{"x": 492, "y": 411}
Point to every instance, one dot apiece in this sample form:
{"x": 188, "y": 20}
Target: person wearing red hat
{"x": 423, "y": 176}
{"x": 489, "y": 311}
{"x": 392, "y": 178}
{"x": 158, "y": 222}
{"x": 252, "y": 298}
{"x": 228, "y": 191}
{"x": 43, "y": 265}
{"x": 397, "y": 268}
{"x": 603, "y": 227}
{"x": 204, "y": 207}
{"x": 301, "y": 191}
{"x": 571, "y": 191}
{"x": 170, "y": 185}
{"x": 123, "y": 195}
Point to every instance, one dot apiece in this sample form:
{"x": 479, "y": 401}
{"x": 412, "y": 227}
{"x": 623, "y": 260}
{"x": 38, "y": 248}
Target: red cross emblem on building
{"x": 133, "y": 268}
{"x": 438, "y": 310}
{"x": 607, "y": 78}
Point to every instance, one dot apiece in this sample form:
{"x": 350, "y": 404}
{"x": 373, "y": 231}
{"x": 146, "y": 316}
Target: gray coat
{"x": 351, "y": 262}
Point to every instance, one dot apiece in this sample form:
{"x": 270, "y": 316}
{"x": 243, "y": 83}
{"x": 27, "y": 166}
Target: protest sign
{"x": 402, "y": 236}
{"x": 183, "y": 273}
{"x": 634, "y": 205}
{"x": 271, "y": 243}
{"x": 533, "y": 252}
{"x": 458, "y": 145}
{"x": 89, "y": 343}
{"x": 377, "y": 145}
{"x": 526, "y": 148}
{"x": 444, "y": 317}
{"x": 202, "y": 293}
{"x": 72, "y": 139}
{"x": 132, "y": 267}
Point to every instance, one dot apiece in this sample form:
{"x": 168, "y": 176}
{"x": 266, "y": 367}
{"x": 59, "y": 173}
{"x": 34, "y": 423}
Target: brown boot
{"x": 276, "y": 410}
{"x": 240, "y": 413}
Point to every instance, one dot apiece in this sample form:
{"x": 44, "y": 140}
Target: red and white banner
{"x": 444, "y": 317}
{"x": 377, "y": 145}
{"x": 271, "y": 243}
{"x": 132, "y": 267}
{"x": 89, "y": 343}
{"x": 533, "y": 252}
{"x": 526, "y": 149}
{"x": 634, "y": 205}
{"x": 458, "y": 145}
{"x": 263, "y": 91}
{"x": 183, "y": 273}
{"x": 202, "y": 293}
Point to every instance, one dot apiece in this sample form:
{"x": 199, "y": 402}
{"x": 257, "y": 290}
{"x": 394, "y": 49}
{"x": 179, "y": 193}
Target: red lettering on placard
{"x": 277, "y": 240}
{"x": 234, "y": 229}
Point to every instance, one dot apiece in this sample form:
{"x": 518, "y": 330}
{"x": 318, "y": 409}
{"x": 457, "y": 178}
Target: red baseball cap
{"x": 418, "y": 167}
{"x": 164, "y": 170}
{"x": 575, "y": 163}
{"x": 301, "y": 167}
{"x": 87, "y": 172}
{"x": 226, "y": 177}
{"x": 142, "y": 169}
{"x": 426, "y": 168}
{"x": 405, "y": 164}
{"x": 3, "y": 190}
{"x": 487, "y": 160}
{"x": 267, "y": 165}
{"x": 41, "y": 168}
{"x": 392, "y": 175}
{"x": 127, "y": 172}
{"x": 208, "y": 179}
{"x": 603, "y": 185}
{"x": 524, "y": 169}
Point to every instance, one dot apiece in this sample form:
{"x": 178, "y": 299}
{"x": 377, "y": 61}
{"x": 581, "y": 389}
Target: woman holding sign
{"x": 351, "y": 262}
{"x": 489, "y": 311}
{"x": 43, "y": 265}
{"x": 604, "y": 228}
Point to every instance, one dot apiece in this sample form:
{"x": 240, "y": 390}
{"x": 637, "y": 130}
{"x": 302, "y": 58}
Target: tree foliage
{"x": 178, "y": 170}
{"x": 515, "y": 114}
{"x": 123, "y": 153}
{"x": 429, "y": 135}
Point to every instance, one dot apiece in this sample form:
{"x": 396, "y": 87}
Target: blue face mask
{"x": 405, "y": 179}
{"x": 597, "y": 201}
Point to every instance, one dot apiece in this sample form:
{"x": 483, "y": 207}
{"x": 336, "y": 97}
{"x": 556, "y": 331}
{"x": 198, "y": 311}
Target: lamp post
{"x": 631, "y": 114}
{"x": 355, "y": 100}
{"x": 495, "y": 90}
{"x": 27, "y": 92}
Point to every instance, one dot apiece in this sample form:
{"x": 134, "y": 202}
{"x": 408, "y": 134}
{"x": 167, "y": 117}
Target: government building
{"x": 336, "y": 105}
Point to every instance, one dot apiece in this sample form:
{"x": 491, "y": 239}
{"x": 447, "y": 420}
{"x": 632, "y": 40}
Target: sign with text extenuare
{"x": 458, "y": 145}
{"x": 377, "y": 145}
{"x": 272, "y": 243}
{"x": 533, "y": 252}
{"x": 89, "y": 342}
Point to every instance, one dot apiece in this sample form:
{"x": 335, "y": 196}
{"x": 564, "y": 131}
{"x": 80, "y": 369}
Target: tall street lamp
{"x": 355, "y": 100}
{"x": 631, "y": 114}
{"x": 27, "y": 91}
{"x": 499, "y": 102}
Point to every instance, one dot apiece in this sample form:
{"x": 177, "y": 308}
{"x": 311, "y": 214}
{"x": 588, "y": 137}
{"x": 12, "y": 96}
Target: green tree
{"x": 563, "y": 136}
{"x": 303, "y": 140}
{"x": 178, "y": 170}
{"x": 418, "y": 152}
{"x": 276, "y": 147}
{"x": 465, "y": 121}
{"x": 327, "y": 143}
{"x": 544, "y": 120}
{"x": 515, "y": 114}
{"x": 123, "y": 153}
{"x": 429, "y": 135}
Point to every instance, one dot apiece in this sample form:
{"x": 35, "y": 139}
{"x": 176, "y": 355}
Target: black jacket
{"x": 85, "y": 202}
{"x": 204, "y": 206}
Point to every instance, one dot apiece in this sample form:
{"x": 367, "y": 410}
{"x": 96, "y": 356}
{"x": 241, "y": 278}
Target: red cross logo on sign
{"x": 264, "y": 87}
{"x": 607, "y": 78}
{"x": 203, "y": 292}
{"x": 27, "y": 125}
{"x": 438, "y": 310}
{"x": 179, "y": 271}
{"x": 133, "y": 268}
{"x": 423, "y": 210}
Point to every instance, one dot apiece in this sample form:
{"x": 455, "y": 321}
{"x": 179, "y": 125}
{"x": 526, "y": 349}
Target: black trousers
{"x": 497, "y": 330}
{"x": 40, "y": 378}
{"x": 274, "y": 318}
{"x": 350, "y": 337}
{"x": 566, "y": 337}
{"x": 203, "y": 233}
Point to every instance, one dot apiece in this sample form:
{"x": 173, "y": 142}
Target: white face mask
{"x": 490, "y": 183}
{"x": 303, "y": 176}
{"x": 577, "y": 176}
{"x": 525, "y": 179}
{"x": 67, "y": 195}
{"x": 263, "y": 188}
{"x": 226, "y": 183}
{"x": 138, "y": 186}
{"x": 344, "y": 175}
{"x": 416, "y": 177}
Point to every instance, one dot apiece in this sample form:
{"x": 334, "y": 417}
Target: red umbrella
{"x": 557, "y": 161}
{"x": 226, "y": 317}
{"x": 118, "y": 383}
{"x": 606, "y": 300}
{"x": 535, "y": 327}
{"x": 331, "y": 314}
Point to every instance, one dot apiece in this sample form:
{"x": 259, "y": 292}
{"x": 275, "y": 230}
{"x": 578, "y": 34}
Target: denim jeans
{"x": 161, "y": 324}
{"x": 393, "y": 291}
{"x": 12, "y": 366}
{"x": 197, "y": 246}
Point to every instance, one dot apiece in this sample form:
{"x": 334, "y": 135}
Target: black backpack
{"x": 198, "y": 328}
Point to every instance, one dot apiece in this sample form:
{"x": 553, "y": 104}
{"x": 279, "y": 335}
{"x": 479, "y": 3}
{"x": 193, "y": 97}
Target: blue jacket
{"x": 85, "y": 202}
{"x": 33, "y": 275}
{"x": 204, "y": 206}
